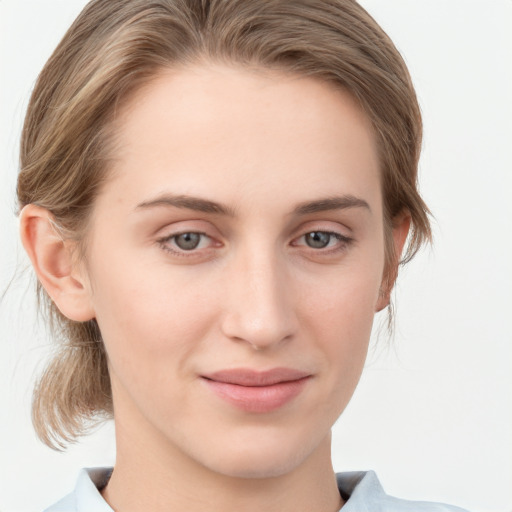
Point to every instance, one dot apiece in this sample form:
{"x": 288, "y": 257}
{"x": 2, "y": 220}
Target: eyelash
{"x": 344, "y": 243}
{"x": 164, "y": 244}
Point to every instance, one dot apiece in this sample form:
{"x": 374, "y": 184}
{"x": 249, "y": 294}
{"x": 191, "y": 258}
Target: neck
{"x": 150, "y": 475}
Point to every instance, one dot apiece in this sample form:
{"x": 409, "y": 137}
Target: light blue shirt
{"x": 362, "y": 490}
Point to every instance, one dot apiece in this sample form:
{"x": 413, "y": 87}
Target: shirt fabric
{"x": 361, "y": 491}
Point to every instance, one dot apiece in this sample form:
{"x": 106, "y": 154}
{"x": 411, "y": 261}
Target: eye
{"x": 317, "y": 239}
{"x": 185, "y": 242}
{"x": 323, "y": 240}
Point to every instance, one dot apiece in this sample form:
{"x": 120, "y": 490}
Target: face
{"x": 234, "y": 265}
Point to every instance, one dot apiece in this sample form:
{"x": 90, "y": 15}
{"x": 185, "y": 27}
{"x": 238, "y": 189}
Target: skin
{"x": 253, "y": 294}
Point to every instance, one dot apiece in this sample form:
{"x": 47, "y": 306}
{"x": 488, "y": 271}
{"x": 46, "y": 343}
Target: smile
{"x": 257, "y": 392}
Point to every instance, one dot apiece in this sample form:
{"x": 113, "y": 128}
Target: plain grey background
{"x": 432, "y": 414}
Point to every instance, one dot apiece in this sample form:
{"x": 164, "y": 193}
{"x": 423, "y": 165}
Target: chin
{"x": 252, "y": 468}
{"x": 259, "y": 459}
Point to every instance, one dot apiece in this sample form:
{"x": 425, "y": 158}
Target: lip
{"x": 257, "y": 391}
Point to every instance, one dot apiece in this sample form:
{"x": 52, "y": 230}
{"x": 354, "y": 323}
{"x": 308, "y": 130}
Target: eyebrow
{"x": 189, "y": 203}
{"x": 331, "y": 203}
{"x": 207, "y": 206}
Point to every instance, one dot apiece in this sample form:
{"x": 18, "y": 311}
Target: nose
{"x": 259, "y": 307}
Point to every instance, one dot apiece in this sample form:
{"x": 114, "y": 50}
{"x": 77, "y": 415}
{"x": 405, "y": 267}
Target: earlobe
{"x": 400, "y": 230}
{"x": 52, "y": 260}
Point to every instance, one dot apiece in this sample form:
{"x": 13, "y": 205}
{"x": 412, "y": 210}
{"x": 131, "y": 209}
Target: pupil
{"x": 188, "y": 241}
{"x": 318, "y": 239}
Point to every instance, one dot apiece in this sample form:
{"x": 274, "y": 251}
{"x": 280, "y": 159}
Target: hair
{"x": 115, "y": 47}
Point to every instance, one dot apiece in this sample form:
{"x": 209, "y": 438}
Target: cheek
{"x": 345, "y": 300}
{"x": 338, "y": 332}
{"x": 343, "y": 328}
{"x": 148, "y": 318}
{"x": 338, "y": 315}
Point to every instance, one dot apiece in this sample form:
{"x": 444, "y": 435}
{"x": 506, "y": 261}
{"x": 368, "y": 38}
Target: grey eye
{"x": 317, "y": 239}
{"x": 188, "y": 241}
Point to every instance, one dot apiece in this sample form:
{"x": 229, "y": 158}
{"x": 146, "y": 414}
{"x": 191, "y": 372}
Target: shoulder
{"x": 365, "y": 494}
{"x": 86, "y": 495}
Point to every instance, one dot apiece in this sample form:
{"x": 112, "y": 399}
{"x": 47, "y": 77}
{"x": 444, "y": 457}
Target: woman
{"x": 215, "y": 198}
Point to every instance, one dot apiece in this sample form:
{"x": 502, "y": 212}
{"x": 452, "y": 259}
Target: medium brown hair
{"x": 115, "y": 47}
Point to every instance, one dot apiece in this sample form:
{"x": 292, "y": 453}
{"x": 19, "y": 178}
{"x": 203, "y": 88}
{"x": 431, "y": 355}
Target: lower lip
{"x": 258, "y": 399}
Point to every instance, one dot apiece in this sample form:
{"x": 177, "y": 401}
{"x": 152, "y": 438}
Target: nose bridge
{"x": 259, "y": 308}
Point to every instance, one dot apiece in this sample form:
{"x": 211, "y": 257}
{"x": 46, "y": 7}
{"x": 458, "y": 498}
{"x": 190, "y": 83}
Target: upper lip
{"x": 250, "y": 377}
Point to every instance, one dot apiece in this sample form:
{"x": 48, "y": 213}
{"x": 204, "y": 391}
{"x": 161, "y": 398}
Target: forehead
{"x": 236, "y": 133}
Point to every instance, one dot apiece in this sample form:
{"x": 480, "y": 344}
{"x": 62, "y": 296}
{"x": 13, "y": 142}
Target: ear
{"x": 52, "y": 260}
{"x": 400, "y": 230}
